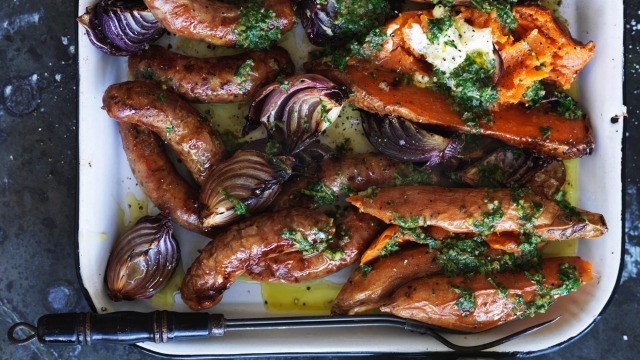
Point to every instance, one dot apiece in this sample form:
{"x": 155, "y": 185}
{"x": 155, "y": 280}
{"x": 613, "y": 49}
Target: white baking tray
{"x": 106, "y": 186}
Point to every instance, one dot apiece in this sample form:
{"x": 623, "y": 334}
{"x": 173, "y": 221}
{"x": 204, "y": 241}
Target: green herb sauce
{"x": 486, "y": 224}
{"x": 242, "y": 74}
{"x": 502, "y": 8}
{"x": 303, "y": 244}
{"x": 470, "y": 90}
{"x": 321, "y": 193}
{"x": 365, "y": 269}
{"x": 258, "y": 28}
{"x": 467, "y": 301}
{"x": 567, "y": 273}
{"x": 438, "y": 26}
{"x": 239, "y": 207}
{"x": 390, "y": 247}
{"x": 534, "y": 94}
{"x": 355, "y": 18}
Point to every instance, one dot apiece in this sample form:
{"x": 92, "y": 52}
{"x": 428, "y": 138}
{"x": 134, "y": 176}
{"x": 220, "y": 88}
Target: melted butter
{"x": 165, "y": 298}
{"x": 568, "y": 247}
{"x": 135, "y": 209}
{"x": 308, "y": 297}
{"x": 347, "y": 126}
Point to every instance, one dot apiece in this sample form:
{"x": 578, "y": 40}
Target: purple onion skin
{"x": 296, "y": 110}
{"x": 120, "y": 27}
{"x": 316, "y": 20}
{"x": 143, "y": 260}
{"x": 245, "y": 184}
{"x": 401, "y": 140}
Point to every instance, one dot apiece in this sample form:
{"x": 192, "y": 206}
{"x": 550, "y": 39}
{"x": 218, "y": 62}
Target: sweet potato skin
{"x": 453, "y": 208}
{"x": 365, "y": 292}
{"x": 433, "y": 300}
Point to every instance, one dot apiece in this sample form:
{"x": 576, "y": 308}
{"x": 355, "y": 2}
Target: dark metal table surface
{"x": 38, "y": 168}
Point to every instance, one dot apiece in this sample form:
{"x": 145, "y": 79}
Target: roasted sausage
{"x": 364, "y": 292}
{"x": 157, "y": 176}
{"x": 245, "y": 244}
{"x": 549, "y": 180}
{"x": 213, "y": 21}
{"x": 358, "y": 230}
{"x": 221, "y": 79}
{"x": 352, "y": 173}
{"x": 458, "y": 209}
{"x": 169, "y": 116}
{"x": 435, "y": 299}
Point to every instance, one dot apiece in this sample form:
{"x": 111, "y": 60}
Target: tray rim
{"x": 437, "y": 354}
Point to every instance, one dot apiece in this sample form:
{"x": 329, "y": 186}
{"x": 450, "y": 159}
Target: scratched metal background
{"x": 38, "y": 158}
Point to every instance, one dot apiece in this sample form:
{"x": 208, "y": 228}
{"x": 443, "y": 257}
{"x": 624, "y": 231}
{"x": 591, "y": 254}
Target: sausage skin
{"x": 245, "y": 244}
{"x": 157, "y": 176}
{"x": 212, "y": 21}
{"x": 354, "y": 172}
{"x": 222, "y": 79}
{"x": 169, "y": 116}
{"x": 294, "y": 267}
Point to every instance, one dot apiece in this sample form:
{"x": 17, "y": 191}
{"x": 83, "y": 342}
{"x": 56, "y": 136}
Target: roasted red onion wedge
{"x": 120, "y": 27}
{"x": 246, "y": 183}
{"x": 296, "y": 110}
{"x": 402, "y": 140}
{"x": 143, "y": 260}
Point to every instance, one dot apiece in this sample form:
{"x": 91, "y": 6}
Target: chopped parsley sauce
{"x": 303, "y": 244}
{"x": 502, "y": 9}
{"x": 567, "y": 273}
{"x": 487, "y": 222}
{"x": 470, "y": 90}
{"x": 239, "y": 207}
{"x": 467, "y": 301}
{"x": 258, "y": 28}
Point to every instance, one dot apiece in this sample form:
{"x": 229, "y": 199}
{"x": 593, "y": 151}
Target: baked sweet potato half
{"x": 478, "y": 303}
{"x": 382, "y": 91}
{"x": 464, "y": 210}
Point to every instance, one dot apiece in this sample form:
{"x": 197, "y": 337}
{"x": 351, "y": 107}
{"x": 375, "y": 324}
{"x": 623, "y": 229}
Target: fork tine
{"x": 481, "y": 347}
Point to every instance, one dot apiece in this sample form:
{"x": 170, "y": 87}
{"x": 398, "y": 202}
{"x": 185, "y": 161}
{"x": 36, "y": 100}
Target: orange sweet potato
{"x": 380, "y": 91}
{"x": 433, "y": 299}
{"x": 457, "y": 209}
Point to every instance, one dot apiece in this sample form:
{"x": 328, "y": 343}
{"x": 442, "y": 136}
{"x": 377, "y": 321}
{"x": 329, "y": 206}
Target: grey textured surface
{"x": 38, "y": 165}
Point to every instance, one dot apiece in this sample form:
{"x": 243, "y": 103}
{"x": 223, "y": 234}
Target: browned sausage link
{"x": 360, "y": 229}
{"x": 243, "y": 245}
{"x": 365, "y": 292}
{"x": 212, "y": 21}
{"x": 157, "y": 176}
{"x": 171, "y": 117}
{"x": 354, "y": 172}
{"x": 549, "y": 180}
{"x": 221, "y": 79}
{"x": 358, "y": 172}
